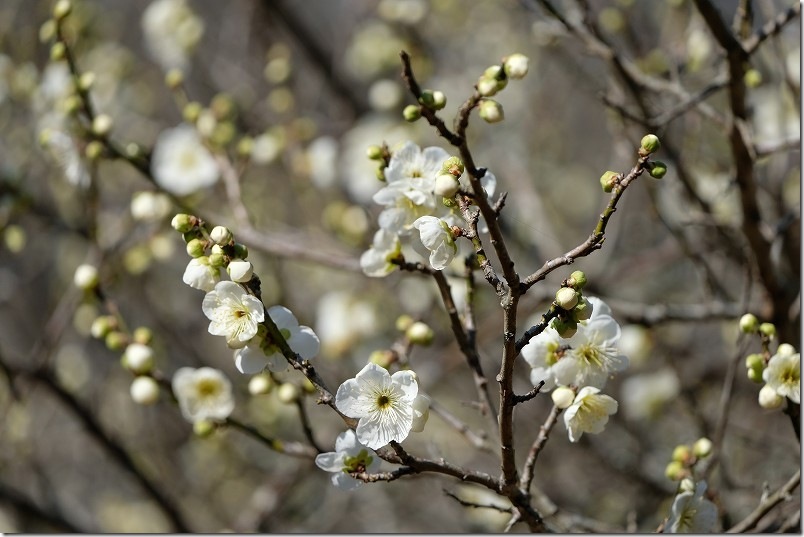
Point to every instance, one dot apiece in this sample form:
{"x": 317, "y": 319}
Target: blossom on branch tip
{"x": 181, "y": 164}
{"x": 260, "y": 353}
{"x": 233, "y": 313}
{"x": 203, "y": 394}
{"x": 592, "y": 355}
{"x": 783, "y": 374}
{"x": 692, "y": 513}
{"x": 588, "y": 413}
{"x": 376, "y": 261}
{"x": 437, "y": 237}
{"x": 383, "y": 404}
{"x": 350, "y": 456}
{"x": 199, "y": 274}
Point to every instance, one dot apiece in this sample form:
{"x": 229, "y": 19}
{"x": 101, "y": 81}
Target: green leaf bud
{"x": 702, "y": 448}
{"x": 374, "y": 152}
{"x": 411, "y": 113}
{"x": 650, "y": 144}
{"x": 577, "y": 279}
{"x": 749, "y": 324}
{"x": 453, "y": 166}
{"x": 491, "y": 111}
{"x": 658, "y": 169}
{"x": 195, "y": 248}
{"x": 752, "y": 78}
{"x": 566, "y": 298}
{"x": 183, "y": 222}
{"x": 768, "y": 329}
{"x": 102, "y": 325}
{"x": 420, "y": 333}
{"x": 608, "y": 180}
{"x": 86, "y": 81}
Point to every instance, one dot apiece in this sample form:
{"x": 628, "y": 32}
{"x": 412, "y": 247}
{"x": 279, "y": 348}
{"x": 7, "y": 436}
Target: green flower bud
{"x": 222, "y": 106}
{"x": 420, "y": 334}
{"x": 138, "y": 358}
{"x": 62, "y": 9}
{"x": 657, "y": 169}
{"x": 379, "y": 173}
{"x": 288, "y": 393}
{"x": 439, "y": 100}
{"x": 191, "y": 111}
{"x": 58, "y": 51}
{"x": 183, "y": 222}
{"x": 86, "y": 277}
{"x": 411, "y": 113}
{"x": 221, "y": 235}
{"x": 71, "y": 104}
{"x": 755, "y": 375}
{"x": 577, "y": 279}
{"x": 102, "y": 325}
{"x": 675, "y": 471}
{"x": 133, "y": 150}
{"x": 47, "y": 31}
{"x": 116, "y": 341}
{"x": 174, "y": 78}
{"x": 240, "y": 251}
{"x": 102, "y": 125}
{"x": 143, "y": 335}
{"x": 583, "y": 310}
{"x": 749, "y": 324}
{"x": 650, "y": 144}
{"x": 516, "y": 65}
{"x": 752, "y": 78}
{"x": 767, "y": 329}
{"x": 489, "y": 86}
{"x": 203, "y": 428}
{"x": 495, "y": 72}
{"x": 195, "y": 248}
{"x": 682, "y": 453}
{"x": 86, "y": 81}
{"x": 403, "y": 322}
{"x": 446, "y": 185}
{"x": 566, "y": 328}
{"x": 244, "y": 146}
{"x": 491, "y": 111}
{"x": 93, "y": 150}
{"x": 217, "y": 260}
{"x": 566, "y": 298}
{"x": 754, "y": 361}
{"x": 608, "y": 180}
{"x": 383, "y": 358}
{"x": 453, "y": 166}
{"x": 702, "y": 448}
{"x": 374, "y": 152}
{"x": 260, "y": 384}
{"x": 433, "y": 99}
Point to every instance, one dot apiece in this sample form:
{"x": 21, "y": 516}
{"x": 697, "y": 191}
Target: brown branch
{"x": 528, "y": 470}
{"x": 771, "y": 28}
{"x": 477, "y": 505}
{"x": 477, "y": 440}
{"x": 293, "y": 449}
{"x": 781, "y": 495}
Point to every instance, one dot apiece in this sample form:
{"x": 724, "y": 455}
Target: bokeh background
{"x": 317, "y": 82}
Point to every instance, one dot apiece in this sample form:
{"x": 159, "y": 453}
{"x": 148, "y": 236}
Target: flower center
{"x": 207, "y": 388}
{"x": 187, "y": 159}
{"x": 591, "y": 355}
{"x": 383, "y": 401}
{"x": 358, "y": 463}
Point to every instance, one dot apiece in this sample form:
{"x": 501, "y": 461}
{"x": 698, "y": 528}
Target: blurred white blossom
{"x": 692, "y": 513}
{"x": 181, "y": 164}
{"x": 172, "y": 31}
{"x": 203, "y": 394}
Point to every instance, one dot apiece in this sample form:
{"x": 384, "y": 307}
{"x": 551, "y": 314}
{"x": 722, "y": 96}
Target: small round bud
{"x": 411, "y": 113}
{"x": 380, "y": 173}
{"x": 769, "y": 399}
{"x": 453, "y": 166}
{"x": 428, "y": 99}
{"x": 491, "y": 111}
{"x": 565, "y": 328}
{"x": 785, "y": 350}
{"x": 658, "y": 169}
{"x": 419, "y": 333}
{"x": 260, "y": 384}
{"x": 650, "y": 144}
{"x": 86, "y": 277}
{"x": 72, "y": 104}
{"x": 374, "y": 152}
{"x": 755, "y": 375}
{"x": 86, "y": 81}
{"x": 307, "y": 386}
{"x": 755, "y": 361}
{"x": 488, "y": 86}
{"x": 58, "y": 51}
{"x": 221, "y": 235}
{"x": 439, "y": 100}
{"x": 217, "y": 260}
{"x": 195, "y": 248}
{"x": 144, "y": 391}
{"x": 203, "y": 428}
{"x": 749, "y": 324}
{"x": 608, "y": 180}
{"x": 191, "y": 111}
{"x": 93, "y": 150}
{"x": 245, "y": 146}
{"x": 239, "y": 270}
{"x": 682, "y": 453}
{"x": 563, "y": 397}
{"x": 516, "y": 65}
{"x": 102, "y": 325}
{"x": 383, "y": 358}
{"x": 62, "y": 9}
{"x": 240, "y": 250}
{"x": 288, "y": 393}
{"x": 675, "y": 471}
{"x": 767, "y": 329}
{"x": 566, "y": 298}
{"x": 102, "y": 125}
{"x": 143, "y": 335}
{"x": 687, "y": 485}
{"x": 174, "y": 78}
{"x": 495, "y": 72}
{"x": 582, "y": 310}
{"x": 752, "y": 78}
{"x": 702, "y": 448}
{"x": 577, "y": 279}
{"x": 222, "y": 106}
{"x": 133, "y": 150}
{"x": 403, "y": 322}
{"x": 138, "y": 358}
{"x": 183, "y": 223}
{"x": 47, "y": 31}
{"x": 116, "y": 341}
{"x": 446, "y": 185}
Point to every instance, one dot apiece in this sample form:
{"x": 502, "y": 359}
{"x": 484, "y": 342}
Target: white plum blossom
{"x": 542, "y": 352}
{"x": 588, "y": 413}
{"x": 437, "y": 237}
{"x": 259, "y": 354}
{"x": 233, "y": 313}
{"x": 692, "y": 513}
{"x": 180, "y": 162}
{"x": 172, "y": 30}
{"x": 150, "y": 206}
{"x": 200, "y": 275}
{"x": 410, "y": 180}
{"x": 383, "y": 404}
{"x": 592, "y": 355}
{"x": 203, "y": 394}
{"x": 783, "y": 373}
{"x": 350, "y": 456}
{"x": 375, "y": 261}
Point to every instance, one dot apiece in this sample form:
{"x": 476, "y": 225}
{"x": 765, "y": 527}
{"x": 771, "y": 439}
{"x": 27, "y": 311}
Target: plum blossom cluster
{"x": 691, "y": 511}
{"x": 230, "y": 305}
{"x": 780, "y": 371}
{"x": 576, "y": 355}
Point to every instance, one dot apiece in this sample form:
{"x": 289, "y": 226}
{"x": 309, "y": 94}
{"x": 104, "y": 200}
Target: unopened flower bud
{"x": 566, "y": 298}
{"x": 221, "y": 235}
{"x": 687, "y": 485}
{"x": 582, "y": 310}
{"x": 411, "y": 113}
{"x": 102, "y": 125}
{"x": 191, "y": 111}
{"x": 608, "y": 180}
{"x": 245, "y": 146}
{"x": 446, "y": 185}
{"x": 217, "y": 260}
{"x": 675, "y": 471}
{"x": 47, "y": 31}
{"x": 195, "y": 248}
{"x": 58, "y": 51}
{"x": 403, "y": 322}
{"x": 86, "y": 277}
{"x": 240, "y": 250}
{"x": 433, "y": 99}
{"x": 174, "y": 78}
{"x": 650, "y": 144}
{"x": 93, "y": 150}
{"x": 577, "y": 279}
{"x": 755, "y": 361}
{"x": 86, "y": 81}
{"x": 563, "y": 397}
{"x": 144, "y": 391}
{"x": 138, "y": 358}
{"x": 116, "y": 341}
{"x": 755, "y": 375}
{"x": 203, "y": 428}
{"x": 62, "y": 9}
{"x": 682, "y": 453}
{"x": 143, "y": 335}
{"x": 749, "y": 324}
{"x": 769, "y": 399}
{"x": 383, "y": 358}
{"x": 453, "y": 166}
{"x": 183, "y": 223}
{"x": 658, "y": 169}
{"x": 786, "y": 349}
{"x": 419, "y": 333}
{"x": 752, "y": 78}
{"x": 260, "y": 384}
{"x": 239, "y": 270}
{"x": 565, "y": 328}
{"x": 288, "y": 393}
{"x": 374, "y": 152}
{"x": 767, "y": 329}
{"x": 102, "y": 325}
{"x": 491, "y": 111}
{"x": 516, "y": 65}
{"x": 702, "y": 448}
{"x": 488, "y": 86}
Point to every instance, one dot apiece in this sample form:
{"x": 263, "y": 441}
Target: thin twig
{"x": 781, "y": 495}
{"x": 528, "y": 470}
{"x": 477, "y": 440}
{"x": 294, "y": 449}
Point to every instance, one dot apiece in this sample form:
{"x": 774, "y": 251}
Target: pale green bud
{"x": 221, "y": 235}
{"x": 86, "y": 81}
{"x": 752, "y": 78}
{"x": 419, "y": 333}
{"x": 203, "y": 428}
{"x": 195, "y": 248}
{"x": 403, "y": 322}
{"x": 675, "y": 471}
{"x": 307, "y": 386}
{"x": 62, "y": 9}
{"x": 446, "y": 185}
{"x": 183, "y": 222}
{"x": 47, "y": 31}
{"x": 453, "y": 166}
{"x": 133, "y": 150}
{"x": 491, "y": 111}
{"x": 411, "y": 113}
{"x": 260, "y": 384}
{"x": 71, "y": 104}
{"x": 682, "y": 453}
{"x": 566, "y": 298}
{"x": 383, "y": 358}
{"x": 102, "y": 125}
{"x": 562, "y": 397}
{"x": 439, "y": 100}
{"x": 143, "y": 335}
{"x": 374, "y": 152}
{"x": 244, "y": 146}
{"x": 768, "y": 329}
{"x": 93, "y": 150}
{"x": 608, "y": 180}
{"x": 86, "y": 277}
{"x": 58, "y": 51}
{"x": 565, "y": 328}
{"x": 116, "y": 341}
{"x": 433, "y": 99}
{"x": 174, "y": 78}
{"x": 749, "y": 324}
{"x": 516, "y": 65}
{"x": 222, "y": 106}
{"x": 755, "y": 361}
{"x": 240, "y": 250}
{"x": 191, "y": 111}
{"x": 755, "y": 375}
{"x": 577, "y": 279}
{"x": 288, "y": 393}
{"x": 494, "y": 71}
{"x": 217, "y": 260}
{"x": 488, "y": 86}
{"x": 144, "y": 391}
{"x": 138, "y": 358}
{"x": 658, "y": 169}
{"x": 650, "y": 144}
{"x": 702, "y": 448}
{"x": 102, "y": 325}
